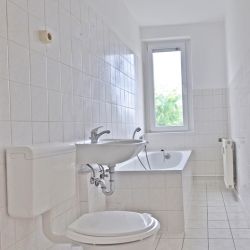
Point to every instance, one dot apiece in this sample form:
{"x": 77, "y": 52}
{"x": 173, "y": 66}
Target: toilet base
{"x": 145, "y": 244}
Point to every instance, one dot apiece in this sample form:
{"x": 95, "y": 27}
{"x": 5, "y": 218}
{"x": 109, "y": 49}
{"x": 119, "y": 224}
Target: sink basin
{"x": 108, "y": 152}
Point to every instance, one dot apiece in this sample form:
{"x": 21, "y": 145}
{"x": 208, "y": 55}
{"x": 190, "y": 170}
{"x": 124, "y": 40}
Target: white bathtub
{"x": 163, "y": 191}
{"x": 176, "y": 162}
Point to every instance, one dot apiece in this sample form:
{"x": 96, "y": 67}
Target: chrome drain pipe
{"x": 103, "y": 185}
{"x": 101, "y": 181}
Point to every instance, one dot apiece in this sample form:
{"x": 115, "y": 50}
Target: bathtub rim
{"x": 177, "y": 169}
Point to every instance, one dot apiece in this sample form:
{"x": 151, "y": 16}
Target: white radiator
{"x": 228, "y": 162}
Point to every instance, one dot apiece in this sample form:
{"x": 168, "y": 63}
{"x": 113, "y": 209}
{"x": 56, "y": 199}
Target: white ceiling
{"x": 166, "y": 12}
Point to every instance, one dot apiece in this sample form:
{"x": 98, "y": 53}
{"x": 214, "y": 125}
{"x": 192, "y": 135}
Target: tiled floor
{"x": 217, "y": 221}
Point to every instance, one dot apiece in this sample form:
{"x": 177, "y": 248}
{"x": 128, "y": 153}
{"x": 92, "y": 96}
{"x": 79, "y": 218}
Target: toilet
{"x": 108, "y": 229}
{"x": 32, "y": 191}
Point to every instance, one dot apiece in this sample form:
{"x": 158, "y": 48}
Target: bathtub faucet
{"x": 138, "y": 129}
{"x": 166, "y": 156}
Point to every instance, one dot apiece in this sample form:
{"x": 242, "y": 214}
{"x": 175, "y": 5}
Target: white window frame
{"x": 169, "y": 45}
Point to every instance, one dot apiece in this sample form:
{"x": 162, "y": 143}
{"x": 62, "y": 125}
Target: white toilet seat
{"x": 112, "y": 227}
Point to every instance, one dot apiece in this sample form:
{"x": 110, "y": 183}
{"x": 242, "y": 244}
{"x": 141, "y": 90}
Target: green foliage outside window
{"x": 168, "y": 109}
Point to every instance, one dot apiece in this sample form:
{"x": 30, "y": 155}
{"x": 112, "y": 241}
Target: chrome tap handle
{"x": 95, "y": 136}
{"x": 95, "y": 130}
{"x": 93, "y": 133}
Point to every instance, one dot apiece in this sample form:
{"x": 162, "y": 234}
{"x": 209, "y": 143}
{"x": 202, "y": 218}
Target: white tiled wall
{"x": 239, "y": 93}
{"x": 165, "y": 195}
{"x": 158, "y": 194}
{"x": 210, "y": 118}
{"x": 53, "y": 93}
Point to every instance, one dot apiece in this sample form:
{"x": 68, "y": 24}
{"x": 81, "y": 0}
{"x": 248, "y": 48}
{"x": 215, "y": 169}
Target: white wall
{"x": 238, "y": 35}
{"x": 58, "y": 92}
{"x": 207, "y": 49}
{"x": 120, "y": 20}
{"x": 238, "y": 49}
{"x": 208, "y": 96}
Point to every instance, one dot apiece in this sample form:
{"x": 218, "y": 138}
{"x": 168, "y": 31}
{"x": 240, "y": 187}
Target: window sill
{"x": 190, "y": 132}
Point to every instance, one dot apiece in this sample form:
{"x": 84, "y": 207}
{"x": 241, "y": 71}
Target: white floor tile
{"x": 196, "y": 233}
{"x": 239, "y": 224}
{"x": 195, "y": 244}
{"x": 198, "y": 209}
{"x": 218, "y": 224}
{"x": 216, "y": 203}
{"x": 199, "y": 203}
{"x": 215, "y": 233}
{"x": 217, "y": 216}
{"x": 242, "y": 244}
{"x": 156, "y": 243}
{"x": 234, "y": 209}
{"x": 241, "y": 234}
{"x": 166, "y": 235}
{"x": 217, "y": 209}
{"x": 198, "y": 216}
{"x": 196, "y": 224}
{"x": 170, "y": 244}
{"x": 231, "y": 203}
{"x": 221, "y": 244}
{"x": 237, "y": 216}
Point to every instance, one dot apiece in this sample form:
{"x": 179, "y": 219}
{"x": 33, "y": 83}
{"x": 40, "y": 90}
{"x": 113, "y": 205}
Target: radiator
{"x": 228, "y": 162}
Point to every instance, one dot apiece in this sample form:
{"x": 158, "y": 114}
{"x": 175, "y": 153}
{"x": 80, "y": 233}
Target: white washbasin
{"x": 108, "y": 152}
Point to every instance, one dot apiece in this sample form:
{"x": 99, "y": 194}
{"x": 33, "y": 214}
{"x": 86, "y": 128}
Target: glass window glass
{"x": 168, "y": 98}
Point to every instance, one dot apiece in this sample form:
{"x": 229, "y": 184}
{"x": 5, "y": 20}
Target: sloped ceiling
{"x": 169, "y": 12}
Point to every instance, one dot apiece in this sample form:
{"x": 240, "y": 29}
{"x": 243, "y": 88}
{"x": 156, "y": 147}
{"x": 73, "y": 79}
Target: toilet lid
{"x": 112, "y": 223}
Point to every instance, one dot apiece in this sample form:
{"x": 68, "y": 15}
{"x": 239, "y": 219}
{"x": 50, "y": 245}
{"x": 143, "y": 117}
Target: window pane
{"x": 168, "y": 88}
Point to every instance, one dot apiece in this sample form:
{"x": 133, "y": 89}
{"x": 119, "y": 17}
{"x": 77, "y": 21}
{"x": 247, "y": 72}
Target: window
{"x": 167, "y": 86}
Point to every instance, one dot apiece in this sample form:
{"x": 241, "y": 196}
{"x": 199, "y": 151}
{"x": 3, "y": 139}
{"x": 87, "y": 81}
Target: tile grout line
{"x": 158, "y": 240}
{"x": 182, "y": 244}
{"x": 207, "y": 219}
{"x": 228, "y": 219}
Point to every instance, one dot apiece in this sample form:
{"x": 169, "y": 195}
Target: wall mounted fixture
{"x": 45, "y": 36}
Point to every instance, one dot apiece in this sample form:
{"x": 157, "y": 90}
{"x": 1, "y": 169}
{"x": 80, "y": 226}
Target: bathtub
{"x": 176, "y": 162}
{"x": 164, "y": 191}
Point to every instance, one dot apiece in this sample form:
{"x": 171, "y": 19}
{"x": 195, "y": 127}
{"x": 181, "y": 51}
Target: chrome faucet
{"x": 94, "y": 137}
{"x": 138, "y": 129}
{"x": 166, "y": 155}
